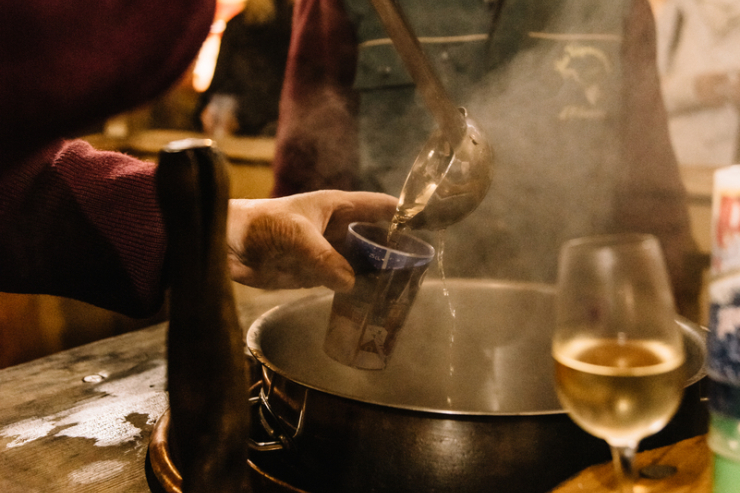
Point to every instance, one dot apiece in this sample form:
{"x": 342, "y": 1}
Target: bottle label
{"x": 723, "y": 343}
{"x": 726, "y": 220}
{"x": 724, "y": 398}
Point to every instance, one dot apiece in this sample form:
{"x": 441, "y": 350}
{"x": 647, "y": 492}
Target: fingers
{"x": 287, "y": 250}
{"x": 332, "y": 270}
{"x": 311, "y": 260}
{"x": 296, "y": 270}
{"x": 287, "y": 243}
{"x": 362, "y": 206}
{"x": 351, "y": 207}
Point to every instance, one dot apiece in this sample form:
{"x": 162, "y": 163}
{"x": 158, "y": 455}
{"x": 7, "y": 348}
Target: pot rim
{"x": 252, "y": 342}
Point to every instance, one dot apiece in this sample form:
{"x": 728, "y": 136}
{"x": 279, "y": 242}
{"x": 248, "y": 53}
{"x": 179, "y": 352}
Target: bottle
{"x": 724, "y": 441}
{"x": 723, "y": 342}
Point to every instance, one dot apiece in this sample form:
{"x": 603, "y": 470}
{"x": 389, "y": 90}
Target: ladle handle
{"x": 450, "y": 121}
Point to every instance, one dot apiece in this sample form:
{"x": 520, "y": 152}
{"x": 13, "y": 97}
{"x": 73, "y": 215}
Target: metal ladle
{"x": 452, "y": 173}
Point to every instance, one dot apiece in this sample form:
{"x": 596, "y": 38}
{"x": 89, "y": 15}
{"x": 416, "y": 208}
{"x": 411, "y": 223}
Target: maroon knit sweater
{"x": 74, "y": 221}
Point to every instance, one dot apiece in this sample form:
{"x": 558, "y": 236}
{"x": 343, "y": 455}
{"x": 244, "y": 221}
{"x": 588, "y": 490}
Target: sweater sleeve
{"x": 83, "y": 224}
{"x": 68, "y": 65}
{"x": 317, "y": 127}
{"x": 76, "y": 222}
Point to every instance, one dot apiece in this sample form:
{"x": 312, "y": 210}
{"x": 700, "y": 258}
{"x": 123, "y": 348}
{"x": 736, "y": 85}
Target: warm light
{"x": 205, "y": 63}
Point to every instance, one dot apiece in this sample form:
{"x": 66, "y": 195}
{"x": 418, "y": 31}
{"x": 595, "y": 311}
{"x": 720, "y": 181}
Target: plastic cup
{"x": 365, "y": 323}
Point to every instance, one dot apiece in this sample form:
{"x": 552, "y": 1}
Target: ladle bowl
{"x": 445, "y": 185}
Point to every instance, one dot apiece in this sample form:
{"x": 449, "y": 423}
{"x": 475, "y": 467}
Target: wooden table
{"x": 691, "y": 458}
{"x": 80, "y": 420}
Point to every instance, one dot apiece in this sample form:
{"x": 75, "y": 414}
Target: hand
{"x": 290, "y": 242}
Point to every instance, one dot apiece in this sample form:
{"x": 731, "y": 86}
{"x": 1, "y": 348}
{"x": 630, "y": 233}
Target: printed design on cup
{"x": 365, "y": 323}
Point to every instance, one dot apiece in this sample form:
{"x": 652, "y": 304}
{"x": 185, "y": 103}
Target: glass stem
{"x": 624, "y": 457}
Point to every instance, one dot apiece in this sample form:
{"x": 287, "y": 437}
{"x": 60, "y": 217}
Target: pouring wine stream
{"x": 452, "y": 173}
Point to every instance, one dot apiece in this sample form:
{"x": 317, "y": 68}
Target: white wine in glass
{"x": 618, "y": 350}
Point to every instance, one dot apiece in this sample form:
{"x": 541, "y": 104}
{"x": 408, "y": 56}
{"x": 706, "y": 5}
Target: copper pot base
{"x": 169, "y": 478}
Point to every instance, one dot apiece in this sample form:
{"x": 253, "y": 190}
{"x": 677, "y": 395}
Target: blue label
{"x": 724, "y": 399}
{"x": 723, "y": 343}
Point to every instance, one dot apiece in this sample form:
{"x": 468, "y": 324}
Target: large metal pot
{"x": 465, "y": 404}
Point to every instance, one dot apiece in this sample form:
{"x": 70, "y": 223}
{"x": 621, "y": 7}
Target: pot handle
{"x": 282, "y": 440}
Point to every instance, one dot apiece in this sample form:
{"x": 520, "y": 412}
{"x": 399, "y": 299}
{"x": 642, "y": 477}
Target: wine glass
{"x": 618, "y": 350}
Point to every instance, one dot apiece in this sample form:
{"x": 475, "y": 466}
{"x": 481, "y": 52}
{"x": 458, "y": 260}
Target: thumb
{"x": 330, "y": 268}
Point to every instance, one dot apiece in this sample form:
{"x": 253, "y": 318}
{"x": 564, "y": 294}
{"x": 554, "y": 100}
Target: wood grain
{"x": 691, "y": 458}
{"x": 44, "y": 401}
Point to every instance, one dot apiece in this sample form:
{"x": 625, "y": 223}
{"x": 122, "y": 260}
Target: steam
{"x": 551, "y": 116}
{"x": 547, "y": 91}
{"x": 555, "y": 138}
